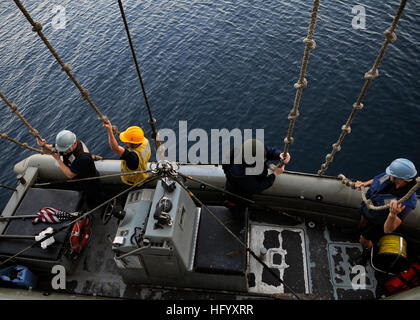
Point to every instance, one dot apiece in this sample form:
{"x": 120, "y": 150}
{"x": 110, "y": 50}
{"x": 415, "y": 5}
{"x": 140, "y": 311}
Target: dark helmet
{"x": 253, "y": 148}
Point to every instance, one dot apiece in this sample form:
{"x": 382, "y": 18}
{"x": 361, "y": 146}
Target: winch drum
{"x": 391, "y": 255}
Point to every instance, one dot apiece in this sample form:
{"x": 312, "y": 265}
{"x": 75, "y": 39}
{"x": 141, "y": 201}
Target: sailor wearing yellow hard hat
{"x": 134, "y": 155}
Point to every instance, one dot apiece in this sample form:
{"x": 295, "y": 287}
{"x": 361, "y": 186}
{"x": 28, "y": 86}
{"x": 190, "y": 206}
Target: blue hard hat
{"x": 64, "y": 140}
{"x": 402, "y": 168}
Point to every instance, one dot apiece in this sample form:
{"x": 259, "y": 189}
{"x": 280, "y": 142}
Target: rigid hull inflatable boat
{"x": 174, "y": 238}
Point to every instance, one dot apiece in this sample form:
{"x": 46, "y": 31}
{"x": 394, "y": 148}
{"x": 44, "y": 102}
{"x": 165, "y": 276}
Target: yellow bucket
{"x": 393, "y": 244}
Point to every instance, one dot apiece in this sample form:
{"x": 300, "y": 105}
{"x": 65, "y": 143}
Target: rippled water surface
{"x": 216, "y": 64}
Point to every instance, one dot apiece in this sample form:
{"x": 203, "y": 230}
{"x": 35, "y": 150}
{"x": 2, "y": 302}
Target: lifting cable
{"x": 90, "y": 178}
{"x": 310, "y": 45}
{"x": 253, "y": 202}
{"x": 368, "y": 202}
{"x": 390, "y": 37}
{"x": 32, "y": 131}
{"x": 37, "y": 27}
{"x": 152, "y": 121}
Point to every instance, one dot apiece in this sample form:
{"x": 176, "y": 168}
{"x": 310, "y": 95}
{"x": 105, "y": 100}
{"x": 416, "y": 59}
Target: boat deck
{"x": 314, "y": 259}
{"x": 312, "y": 256}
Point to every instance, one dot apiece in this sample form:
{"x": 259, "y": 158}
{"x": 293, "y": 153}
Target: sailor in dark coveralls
{"x": 244, "y": 182}
{"x": 75, "y": 161}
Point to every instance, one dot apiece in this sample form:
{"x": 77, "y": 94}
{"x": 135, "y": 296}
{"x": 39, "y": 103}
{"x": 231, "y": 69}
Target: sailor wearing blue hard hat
{"x": 387, "y": 187}
{"x": 402, "y": 169}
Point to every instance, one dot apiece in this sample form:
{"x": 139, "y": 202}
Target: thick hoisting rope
{"x": 32, "y": 131}
{"x": 390, "y": 37}
{"x": 14, "y": 109}
{"x": 368, "y": 202}
{"x": 152, "y": 121}
{"x": 37, "y": 27}
{"x": 302, "y": 82}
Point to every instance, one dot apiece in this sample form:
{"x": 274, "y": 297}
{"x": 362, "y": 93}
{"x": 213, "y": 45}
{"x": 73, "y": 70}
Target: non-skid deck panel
{"x": 35, "y": 199}
{"x": 333, "y": 272}
{"x": 313, "y": 258}
{"x": 359, "y": 281}
{"x": 285, "y": 255}
{"x": 217, "y": 250}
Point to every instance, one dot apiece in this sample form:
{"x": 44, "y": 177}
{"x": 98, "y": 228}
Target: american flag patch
{"x": 52, "y": 215}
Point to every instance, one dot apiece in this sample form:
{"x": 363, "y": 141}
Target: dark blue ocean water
{"x": 216, "y": 64}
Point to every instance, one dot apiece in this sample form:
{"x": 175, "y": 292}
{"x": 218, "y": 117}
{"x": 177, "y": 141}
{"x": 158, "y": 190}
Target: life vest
{"x": 379, "y": 199}
{"x": 406, "y": 280}
{"x": 80, "y": 150}
{"x": 143, "y": 153}
{"x": 80, "y": 234}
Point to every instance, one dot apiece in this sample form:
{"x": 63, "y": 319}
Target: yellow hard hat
{"x": 133, "y": 135}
